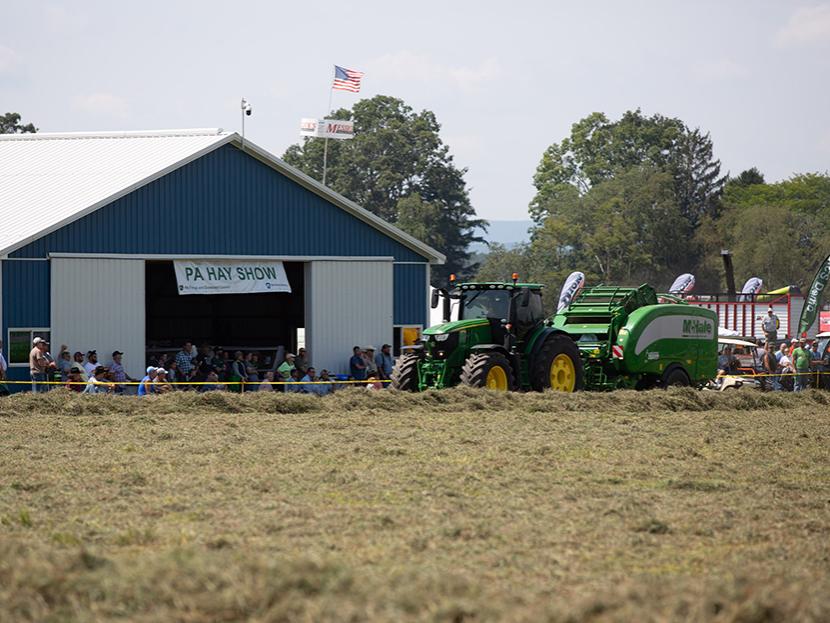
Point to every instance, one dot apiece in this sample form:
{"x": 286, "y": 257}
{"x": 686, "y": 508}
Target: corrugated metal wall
{"x": 347, "y": 304}
{"x": 98, "y": 304}
{"x": 25, "y": 301}
{"x": 410, "y": 294}
{"x": 225, "y": 203}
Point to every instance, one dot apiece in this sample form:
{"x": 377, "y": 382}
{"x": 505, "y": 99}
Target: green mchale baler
{"x": 607, "y": 338}
{"x": 628, "y": 339}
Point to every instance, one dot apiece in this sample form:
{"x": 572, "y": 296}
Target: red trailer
{"x": 743, "y": 313}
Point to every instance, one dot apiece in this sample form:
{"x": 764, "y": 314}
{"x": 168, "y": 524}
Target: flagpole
{"x": 326, "y": 140}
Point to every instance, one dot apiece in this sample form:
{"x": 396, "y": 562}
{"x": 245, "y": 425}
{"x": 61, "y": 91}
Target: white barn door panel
{"x": 98, "y": 304}
{"x": 347, "y": 304}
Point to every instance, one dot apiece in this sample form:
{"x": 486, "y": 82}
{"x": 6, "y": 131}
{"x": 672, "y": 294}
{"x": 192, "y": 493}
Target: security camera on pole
{"x": 339, "y": 129}
{"x": 246, "y": 112}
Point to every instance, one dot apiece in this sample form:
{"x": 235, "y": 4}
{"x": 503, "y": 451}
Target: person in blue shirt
{"x": 145, "y": 386}
{"x": 385, "y": 362}
{"x": 357, "y": 366}
{"x": 293, "y": 385}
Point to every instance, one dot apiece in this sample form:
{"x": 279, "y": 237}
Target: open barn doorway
{"x": 260, "y": 322}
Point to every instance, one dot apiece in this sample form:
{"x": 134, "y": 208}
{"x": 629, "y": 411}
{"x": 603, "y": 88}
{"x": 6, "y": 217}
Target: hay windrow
{"x": 443, "y": 506}
{"x": 63, "y": 402}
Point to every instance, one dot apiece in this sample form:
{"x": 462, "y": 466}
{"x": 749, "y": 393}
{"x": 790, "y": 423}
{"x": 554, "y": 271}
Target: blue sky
{"x": 505, "y": 79}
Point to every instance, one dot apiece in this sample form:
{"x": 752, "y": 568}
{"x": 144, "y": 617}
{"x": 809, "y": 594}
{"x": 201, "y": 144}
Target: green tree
{"x": 10, "y": 124}
{"x": 628, "y": 229}
{"x": 599, "y": 149}
{"x": 501, "y": 262}
{"x": 398, "y": 168}
{"x": 747, "y": 178}
{"x": 778, "y": 232}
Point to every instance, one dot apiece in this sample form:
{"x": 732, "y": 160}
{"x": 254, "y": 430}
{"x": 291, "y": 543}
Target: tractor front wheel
{"x": 405, "y": 373}
{"x": 491, "y": 370}
{"x": 558, "y": 366}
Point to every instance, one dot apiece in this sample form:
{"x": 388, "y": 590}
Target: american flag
{"x": 346, "y": 80}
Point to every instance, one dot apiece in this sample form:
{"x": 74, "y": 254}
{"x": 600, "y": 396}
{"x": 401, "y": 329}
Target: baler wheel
{"x": 405, "y": 373}
{"x": 675, "y": 377}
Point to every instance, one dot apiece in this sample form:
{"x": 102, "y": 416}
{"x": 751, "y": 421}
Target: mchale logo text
{"x": 697, "y": 328}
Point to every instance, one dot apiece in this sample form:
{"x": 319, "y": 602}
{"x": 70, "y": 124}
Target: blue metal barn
{"x": 94, "y": 224}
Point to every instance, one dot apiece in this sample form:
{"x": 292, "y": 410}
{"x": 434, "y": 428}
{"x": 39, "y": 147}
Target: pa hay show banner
{"x": 230, "y": 277}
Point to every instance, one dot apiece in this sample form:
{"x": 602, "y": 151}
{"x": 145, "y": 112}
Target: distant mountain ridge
{"x": 508, "y": 233}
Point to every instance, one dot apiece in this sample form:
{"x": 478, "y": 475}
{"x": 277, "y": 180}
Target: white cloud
{"x": 105, "y": 104}
{"x": 807, "y": 25}
{"x": 720, "y": 69}
{"x": 412, "y": 67}
{"x": 10, "y": 61}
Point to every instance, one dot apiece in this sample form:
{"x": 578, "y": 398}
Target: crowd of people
{"x": 204, "y": 369}
{"x": 781, "y": 366}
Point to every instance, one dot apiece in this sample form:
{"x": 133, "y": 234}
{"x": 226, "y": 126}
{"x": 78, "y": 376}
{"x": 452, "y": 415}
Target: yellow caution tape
{"x": 332, "y": 382}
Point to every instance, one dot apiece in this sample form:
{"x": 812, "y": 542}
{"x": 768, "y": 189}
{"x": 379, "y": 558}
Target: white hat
{"x": 160, "y": 371}
{"x": 369, "y": 347}
{"x": 151, "y": 369}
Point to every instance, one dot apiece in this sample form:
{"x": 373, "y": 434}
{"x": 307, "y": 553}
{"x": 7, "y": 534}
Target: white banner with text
{"x": 230, "y": 276}
{"x": 339, "y": 129}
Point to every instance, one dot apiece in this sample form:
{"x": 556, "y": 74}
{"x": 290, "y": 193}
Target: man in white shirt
{"x": 91, "y": 363}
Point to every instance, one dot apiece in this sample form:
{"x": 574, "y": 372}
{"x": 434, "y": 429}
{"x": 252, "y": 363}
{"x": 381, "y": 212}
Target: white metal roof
{"x": 50, "y": 180}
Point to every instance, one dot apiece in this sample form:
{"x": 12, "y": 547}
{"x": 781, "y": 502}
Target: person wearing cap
{"x": 369, "y": 358}
{"x": 160, "y": 384}
{"x": 40, "y": 364}
{"x": 145, "y": 385}
{"x": 294, "y": 383}
{"x": 98, "y": 383}
{"x": 78, "y": 358}
{"x": 286, "y": 367}
{"x": 801, "y": 362}
{"x": 64, "y": 363}
{"x": 784, "y": 365}
{"x": 301, "y": 361}
{"x": 91, "y": 363}
{"x": 385, "y": 362}
{"x": 357, "y": 364}
{"x": 770, "y": 324}
{"x": 117, "y": 371}
{"x": 75, "y": 381}
{"x": 327, "y": 387}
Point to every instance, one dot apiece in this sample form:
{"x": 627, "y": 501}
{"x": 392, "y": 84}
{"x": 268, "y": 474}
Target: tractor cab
{"x": 509, "y": 308}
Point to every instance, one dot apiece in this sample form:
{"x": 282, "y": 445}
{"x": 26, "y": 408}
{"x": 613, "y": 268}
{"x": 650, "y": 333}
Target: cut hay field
{"x": 452, "y": 506}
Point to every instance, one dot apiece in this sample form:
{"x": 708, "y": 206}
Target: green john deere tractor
{"x": 607, "y": 338}
{"x": 500, "y": 341}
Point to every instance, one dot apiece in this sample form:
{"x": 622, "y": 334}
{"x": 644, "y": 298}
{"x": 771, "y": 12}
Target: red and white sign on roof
{"x": 339, "y": 129}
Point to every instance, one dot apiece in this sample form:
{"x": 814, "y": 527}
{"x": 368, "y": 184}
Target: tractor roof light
{"x": 452, "y": 278}
{"x": 515, "y": 277}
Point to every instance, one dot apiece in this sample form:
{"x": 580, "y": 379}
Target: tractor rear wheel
{"x": 558, "y": 366}
{"x": 491, "y": 370}
{"x": 405, "y": 373}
